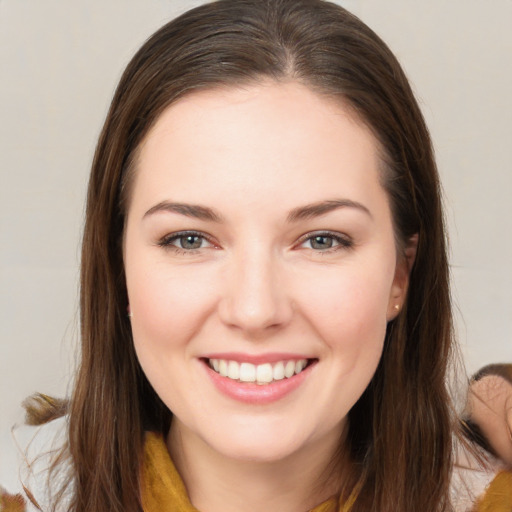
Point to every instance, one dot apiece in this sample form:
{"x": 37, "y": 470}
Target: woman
{"x": 264, "y": 287}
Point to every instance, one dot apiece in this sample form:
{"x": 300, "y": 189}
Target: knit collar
{"x": 163, "y": 488}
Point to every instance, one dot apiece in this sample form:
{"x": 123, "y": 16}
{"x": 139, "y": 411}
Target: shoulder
{"x": 498, "y": 495}
{"x": 480, "y": 482}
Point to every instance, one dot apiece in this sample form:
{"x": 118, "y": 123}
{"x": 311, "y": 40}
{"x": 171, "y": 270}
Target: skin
{"x": 258, "y": 286}
{"x": 490, "y": 407}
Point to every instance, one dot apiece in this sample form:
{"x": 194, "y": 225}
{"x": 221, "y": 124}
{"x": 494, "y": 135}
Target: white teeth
{"x": 289, "y": 369}
{"x": 299, "y": 366}
{"x": 261, "y": 374}
{"x": 223, "y": 368}
{"x": 264, "y": 373}
{"x": 279, "y": 371}
{"x": 247, "y": 372}
{"x": 233, "y": 370}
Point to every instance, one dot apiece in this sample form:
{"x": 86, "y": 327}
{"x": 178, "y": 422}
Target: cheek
{"x": 168, "y": 309}
{"x": 167, "y": 304}
{"x": 348, "y": 308}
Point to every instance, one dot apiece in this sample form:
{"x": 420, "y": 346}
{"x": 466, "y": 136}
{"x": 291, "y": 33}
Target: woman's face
{"x": 261, "y": 267}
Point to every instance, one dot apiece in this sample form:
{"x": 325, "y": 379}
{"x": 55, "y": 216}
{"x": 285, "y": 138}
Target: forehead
{"x": 277, "y": 141}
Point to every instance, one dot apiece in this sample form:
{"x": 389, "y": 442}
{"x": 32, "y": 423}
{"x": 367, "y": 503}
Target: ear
{"x": 404, "y": 264}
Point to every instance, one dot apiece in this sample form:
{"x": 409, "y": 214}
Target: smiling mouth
{"x": 262, "y": 374}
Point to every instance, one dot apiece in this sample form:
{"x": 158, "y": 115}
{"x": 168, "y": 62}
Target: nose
{"x": 254, "y": 298}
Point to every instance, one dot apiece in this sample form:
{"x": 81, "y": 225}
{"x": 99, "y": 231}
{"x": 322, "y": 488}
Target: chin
{"x": 260, "y": 441}
{"x": 267, "y": 451}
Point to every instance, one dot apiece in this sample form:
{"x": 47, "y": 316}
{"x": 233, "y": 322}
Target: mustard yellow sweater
{"x": 163, "y": 489}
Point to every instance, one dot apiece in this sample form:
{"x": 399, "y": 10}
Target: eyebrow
{"x": 322, "y": 207}
{"x": 308, "y": 211}
{"x": 188, "y": 210}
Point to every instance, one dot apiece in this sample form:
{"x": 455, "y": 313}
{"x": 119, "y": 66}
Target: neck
{"x": 215, "y": 483}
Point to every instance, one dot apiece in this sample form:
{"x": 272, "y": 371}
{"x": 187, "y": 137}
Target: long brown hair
{"x": 400, "y": 431}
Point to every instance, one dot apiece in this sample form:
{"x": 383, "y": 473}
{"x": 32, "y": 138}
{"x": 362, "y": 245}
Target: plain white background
{"x": 59, "y": 64}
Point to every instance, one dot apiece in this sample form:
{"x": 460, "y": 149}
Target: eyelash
{"x": 167, "y": 242}
{"x": 343, "y": 242}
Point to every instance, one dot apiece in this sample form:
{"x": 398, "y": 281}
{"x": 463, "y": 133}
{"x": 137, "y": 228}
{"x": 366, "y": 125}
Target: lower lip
{"x": 252, "y": 393}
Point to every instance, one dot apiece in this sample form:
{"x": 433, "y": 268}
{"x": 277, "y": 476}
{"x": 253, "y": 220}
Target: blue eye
{"x": 321, "y": 242}
{"x": 326, "y": 242}
{"x": 190, "y": 241}
{"x": 186, "y": 241}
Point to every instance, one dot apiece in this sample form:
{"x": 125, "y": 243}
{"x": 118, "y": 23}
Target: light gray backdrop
{"x": 59, "y": 64}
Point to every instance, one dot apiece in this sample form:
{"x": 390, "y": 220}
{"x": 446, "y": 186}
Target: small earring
{"x": 128, "y": 311}
{"x": 397, "y": 307}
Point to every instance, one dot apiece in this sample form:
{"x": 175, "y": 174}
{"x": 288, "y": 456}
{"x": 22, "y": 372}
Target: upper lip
{"x": 271, "y": 357}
